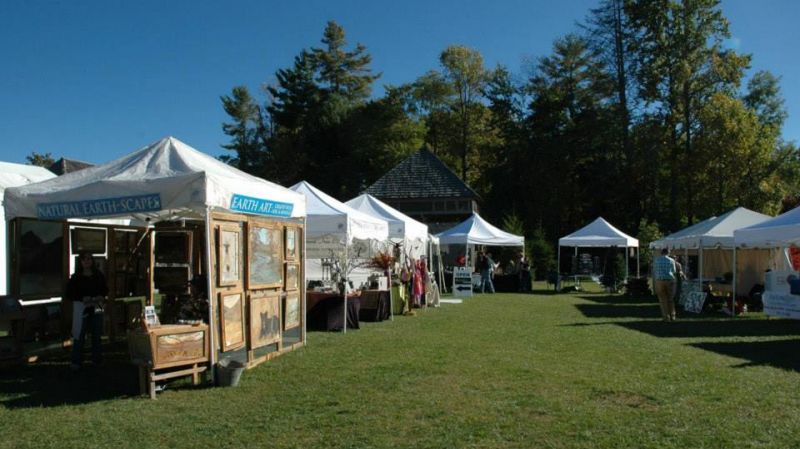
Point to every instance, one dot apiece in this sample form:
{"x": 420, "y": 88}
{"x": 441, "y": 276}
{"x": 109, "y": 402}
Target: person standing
{"x": 86, "y": 289}
{"x": 486, "y": 265}
{"x": 524, "y": 274}
{"x": 664, "y": 274}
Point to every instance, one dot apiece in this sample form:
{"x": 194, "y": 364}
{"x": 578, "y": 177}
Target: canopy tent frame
{"x": 599, "y": 234}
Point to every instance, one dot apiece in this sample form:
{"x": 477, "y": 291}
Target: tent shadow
{"x": 51, "y": 383}
{"x": 699, "y": 328}
{"x": 618, "y": 299}
{"x": 613, "y": 310}
{"x": 775, "y": 353}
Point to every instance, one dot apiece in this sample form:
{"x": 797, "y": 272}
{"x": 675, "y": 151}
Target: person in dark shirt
{"x": 86, "y": 290}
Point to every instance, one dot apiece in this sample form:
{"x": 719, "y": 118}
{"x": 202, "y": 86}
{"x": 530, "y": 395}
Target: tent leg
{"x": 626, "y": 263}
{"x": 346, "y": 288}
{"x": 212, "y": 306}
{"x": 558, "y": 269}
{"x": 733, "y": 286}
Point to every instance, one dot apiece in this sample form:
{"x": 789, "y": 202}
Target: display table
{"x": 375, "y": 305}
{"x": 325, "y": 311}
{"x": 167, "y": 352}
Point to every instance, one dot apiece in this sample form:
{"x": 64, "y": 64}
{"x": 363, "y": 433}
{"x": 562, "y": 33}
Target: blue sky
{"x": 94, "y": 80}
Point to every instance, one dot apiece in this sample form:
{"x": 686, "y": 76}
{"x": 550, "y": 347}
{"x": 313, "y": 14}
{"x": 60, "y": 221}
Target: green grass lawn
{"x": 583, "y": 370}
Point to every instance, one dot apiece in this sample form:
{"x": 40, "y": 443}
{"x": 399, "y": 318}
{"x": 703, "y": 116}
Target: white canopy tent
{"x": 403, "y": 228}
{"x": 15, "y": 175}
{"x": 782, "y": 231}
{"x": 477, "y": 231}
{"x": 713, "y": 233}
{"x": 167, "y": 180}
{"x": 600, "y": 234}
{"x": 333, "y": 225}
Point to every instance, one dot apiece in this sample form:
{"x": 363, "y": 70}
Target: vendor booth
{"x": 340, "y": 241}
{"x": 469, "y": 233}
{"x": 409, "y": 236}
{"x": 705, "y": 251}
{"x": 781, "y": 236}
{"x": 236, "y": 238}
{"x": 600, "y": 234}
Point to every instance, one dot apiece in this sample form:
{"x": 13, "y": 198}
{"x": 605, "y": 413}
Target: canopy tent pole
{"x": 700, "y": 271}
{"x": 638, "y": 266}
{"x": 212, "y": 306}
{"x": 346, "y": 285}
{"x": 733, "y": 287}
{"x": 686, "y": 259}
{"x": 627, "y": 259}
{"x": 304, "y": 302}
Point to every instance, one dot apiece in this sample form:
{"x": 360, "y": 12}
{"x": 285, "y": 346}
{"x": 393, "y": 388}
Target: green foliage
{"x": 40, "y": 159}
{"x": 648, "y": 233}
{"x": 542, "y": 254}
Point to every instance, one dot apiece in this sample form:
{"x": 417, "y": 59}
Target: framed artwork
{"x": 292, "y": 243}
{"x": 292, "y": 276}
{"x": 92, "y": 240}
{"x": 173, "y": 247}
{"x": 265, "y": 249}
{"x": 229, "y": 255}
{"x": 171, "y": 279}
{"x": 291, "y": 311}
{"x": 231, "y": 320}
{"x": 265, "y": 320}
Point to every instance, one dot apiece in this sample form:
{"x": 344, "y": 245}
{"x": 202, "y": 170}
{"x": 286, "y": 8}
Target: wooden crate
{"x": 169, "y": 345}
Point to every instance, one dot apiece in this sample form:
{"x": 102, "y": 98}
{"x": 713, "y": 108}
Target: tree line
{"x": 640, "y": 115}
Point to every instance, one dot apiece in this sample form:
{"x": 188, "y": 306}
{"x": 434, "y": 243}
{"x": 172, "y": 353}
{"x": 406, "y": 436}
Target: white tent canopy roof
{"x": 165, "y": 178}
{"x": 327, "y": 215}
{"x": 780, "y": 231}
{"x": 401, "y": 226}
{"x": 14, "y": 175}
{"x": 477, "y": 231}
{"x": 713, "y": 232}
{"x": 598, "y": 233}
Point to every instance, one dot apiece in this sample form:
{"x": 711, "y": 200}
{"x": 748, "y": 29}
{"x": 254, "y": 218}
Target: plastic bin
{"x": 229, "y": 372}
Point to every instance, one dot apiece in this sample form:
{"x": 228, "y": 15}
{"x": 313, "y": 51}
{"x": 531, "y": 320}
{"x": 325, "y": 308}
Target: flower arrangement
{"x": 382, "y": 260}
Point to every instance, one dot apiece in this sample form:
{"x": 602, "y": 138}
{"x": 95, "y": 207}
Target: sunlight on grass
{"x": 584, "y": 370}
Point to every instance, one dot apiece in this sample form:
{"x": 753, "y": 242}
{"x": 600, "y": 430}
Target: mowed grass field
{"x": 582, "y": 370}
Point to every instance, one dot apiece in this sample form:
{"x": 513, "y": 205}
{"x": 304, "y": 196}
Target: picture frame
{"x": 173, "y": 247}
{"x": 292, "y": 277}
{"x": 265, "y": 250}
{"x": 229, "y": 255}
{"x": 265, "y": 320}
{"x": 292, "y": 243}
{"x": 92, "y": 240}
{"x": 292, "y": 311}
{"x": 231, "y": 320}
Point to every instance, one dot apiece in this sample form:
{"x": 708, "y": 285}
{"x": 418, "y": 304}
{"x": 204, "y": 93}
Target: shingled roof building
{"x": 64, "y": 166}
{"x": 424, "y": 188}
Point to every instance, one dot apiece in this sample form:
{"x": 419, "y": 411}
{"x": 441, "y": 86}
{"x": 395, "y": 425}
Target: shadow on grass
{"x": 697, "y": 328}
{"x": 619, "y": 310}
{"x": 50, "y": 382}
{"x": 617, "y": 299}
{"x": 775, "y": 353}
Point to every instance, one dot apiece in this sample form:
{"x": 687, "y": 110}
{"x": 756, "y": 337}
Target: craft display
{"x": 265, "y": 250}
{"x": 229, "y": 252}
{"x": 231, "y": 320}
{"x": 265, "y": 320}
{"x": 292, "y": 311}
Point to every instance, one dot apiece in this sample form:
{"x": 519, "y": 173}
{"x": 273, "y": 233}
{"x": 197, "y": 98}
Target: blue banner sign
{"x": 102, "y": 207}
{"x": 250, "y": 205}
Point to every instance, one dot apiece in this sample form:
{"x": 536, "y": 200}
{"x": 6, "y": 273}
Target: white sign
{"x": 462, "y": 281}
{"x": 150, "y": 317}
{"x": 781, "y": 305}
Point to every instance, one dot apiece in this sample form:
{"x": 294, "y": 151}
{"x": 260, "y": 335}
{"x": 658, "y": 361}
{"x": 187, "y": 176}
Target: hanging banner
{"x": 100, "y": 207}
{"x": 260, "y": 206}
